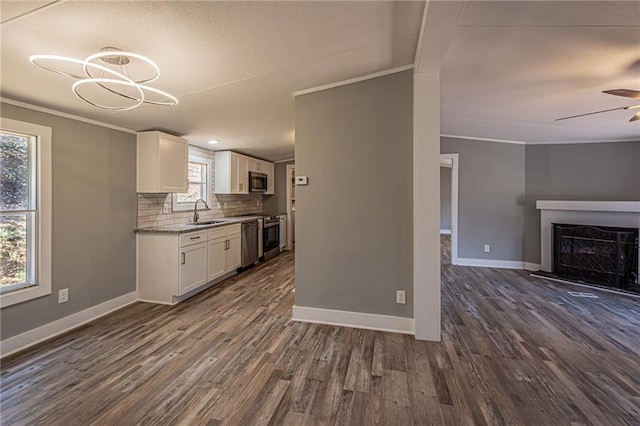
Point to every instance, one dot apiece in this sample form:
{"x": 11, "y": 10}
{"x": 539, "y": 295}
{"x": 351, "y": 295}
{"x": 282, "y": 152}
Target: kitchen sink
{"x": 207, "y": 222}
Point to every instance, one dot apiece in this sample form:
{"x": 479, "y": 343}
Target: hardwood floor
{"x": 514, "y": 350}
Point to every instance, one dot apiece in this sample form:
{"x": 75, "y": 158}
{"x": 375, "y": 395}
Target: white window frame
{"x": 42, "y": 168}
{"x": 177, "y": 207}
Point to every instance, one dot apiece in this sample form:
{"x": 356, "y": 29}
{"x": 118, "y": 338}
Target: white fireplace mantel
{"x": 624, "y": 214}
{"x": 592, "y": 206}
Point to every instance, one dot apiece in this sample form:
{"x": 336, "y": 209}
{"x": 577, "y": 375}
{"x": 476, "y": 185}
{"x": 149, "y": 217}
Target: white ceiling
{"x": 233, "y": 65}
{"x": 514, "y": 67}
{"x": 511, "y": 67}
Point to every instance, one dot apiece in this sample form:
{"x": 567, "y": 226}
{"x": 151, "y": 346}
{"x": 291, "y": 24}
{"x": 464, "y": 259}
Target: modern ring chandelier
{"x": 112, "y": 75}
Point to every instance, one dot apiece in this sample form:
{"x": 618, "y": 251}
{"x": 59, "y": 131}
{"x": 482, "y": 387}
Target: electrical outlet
{"x": 166, "y": 208}
{"x": 487, "y": 248}
{"x": 400, "y": 297}
{"x": 63, "y": 295}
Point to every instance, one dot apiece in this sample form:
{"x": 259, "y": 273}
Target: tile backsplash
{"x": 152, "y": 206}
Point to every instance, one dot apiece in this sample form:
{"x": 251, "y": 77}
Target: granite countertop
{"x": 184, "y": 228}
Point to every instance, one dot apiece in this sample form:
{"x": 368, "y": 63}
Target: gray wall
{"x": 94, "y": 212}
{"x": 590, "y": 172}
{"x": 277, "y": 203}
{"x": 354, "y": 219}
{"x": 445, "y": 198}
{"x": 491, "y": 191}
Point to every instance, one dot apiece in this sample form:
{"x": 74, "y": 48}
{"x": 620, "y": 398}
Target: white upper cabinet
{"x": 232, "y": 172}
{"x": 256, "y": 165}
{"x": 162, "y": 162}
{"x": 271, "y": 178}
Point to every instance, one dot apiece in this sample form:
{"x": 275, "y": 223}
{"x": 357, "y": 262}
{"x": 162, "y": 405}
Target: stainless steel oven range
{"x": 271, "y": 237}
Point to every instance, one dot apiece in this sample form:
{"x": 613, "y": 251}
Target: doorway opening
{"x": 449, "y": 201}
{"x": 291, "y": 205}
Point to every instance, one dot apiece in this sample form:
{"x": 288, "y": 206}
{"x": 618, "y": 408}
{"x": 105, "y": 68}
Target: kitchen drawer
{"x": 218, "y": 232}
{"x": 234, "y": 229}
{"x": 193, "y": 238}
{"x": 224, "y": 231}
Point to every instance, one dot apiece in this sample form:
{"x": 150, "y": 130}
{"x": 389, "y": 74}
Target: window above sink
{"x": 199, "y": 174}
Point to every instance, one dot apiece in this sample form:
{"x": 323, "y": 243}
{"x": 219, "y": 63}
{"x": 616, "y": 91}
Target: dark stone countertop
{"x": 184, "y": 228}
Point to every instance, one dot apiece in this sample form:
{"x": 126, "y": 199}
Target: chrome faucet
{"x": 196, "y": 216}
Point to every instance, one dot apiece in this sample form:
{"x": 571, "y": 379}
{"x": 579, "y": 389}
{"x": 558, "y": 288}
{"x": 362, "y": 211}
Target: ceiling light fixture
{"x": 113, "y": 75}
{"x": 213, "y": 142}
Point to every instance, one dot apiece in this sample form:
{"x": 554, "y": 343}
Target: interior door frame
{"x": 289, "y": 175}
{"x": 454, "y": 204}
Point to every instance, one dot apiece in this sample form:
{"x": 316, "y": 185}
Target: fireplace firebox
{"x": 601, "y": 255}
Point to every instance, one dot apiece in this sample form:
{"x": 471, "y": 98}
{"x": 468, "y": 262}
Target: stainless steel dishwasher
{"x": 249, "y": 243}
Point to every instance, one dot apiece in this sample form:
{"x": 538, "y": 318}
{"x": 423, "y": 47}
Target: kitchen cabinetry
{"x": 172, "y": 267}
{"x": 232, "y": 172}
{"x": 271, "y": 178}
{"x": 193, "y": 268}
{"x": 162, "y": 162}
{"x": 224, "y": 250}
{"x": 256, "y": 165}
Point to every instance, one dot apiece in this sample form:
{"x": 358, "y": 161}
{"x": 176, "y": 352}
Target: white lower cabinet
{"x": 234, "y": 252}
{"x": 193, "y": 268}
{"x": 171, "y": 266}
{"x": 217, "y": 258}
{"x": 224, "y": 250}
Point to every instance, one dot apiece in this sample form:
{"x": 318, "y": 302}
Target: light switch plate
{"x": 302, "y": 180}
{"x": 63, "y": 295}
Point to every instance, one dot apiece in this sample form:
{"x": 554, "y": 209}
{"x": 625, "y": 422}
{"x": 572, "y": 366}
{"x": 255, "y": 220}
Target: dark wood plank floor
{"x": 514, "y": 350}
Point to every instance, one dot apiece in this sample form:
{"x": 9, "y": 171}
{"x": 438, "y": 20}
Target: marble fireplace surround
{"x": 624, "y": 214}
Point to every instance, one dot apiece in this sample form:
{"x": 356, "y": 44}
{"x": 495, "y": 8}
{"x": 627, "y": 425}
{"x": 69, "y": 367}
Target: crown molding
{"x": 580, "y": 142}
{"x": 353, "y": 80}
{"x": 535, "y": 143}
{"x": 483, "y": 139}
{"x": 285, "y": 160}
{"x": 64, "y": 115}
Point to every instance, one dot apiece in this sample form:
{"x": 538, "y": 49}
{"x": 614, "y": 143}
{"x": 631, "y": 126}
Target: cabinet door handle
{"x": 184, "y": 259}
{"x": 195, "y": 238}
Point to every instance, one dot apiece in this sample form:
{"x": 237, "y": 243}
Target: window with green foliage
{"x": 199, "y": 178}
{"x": 25, "y": 211}
{"x": 18, "y": 211}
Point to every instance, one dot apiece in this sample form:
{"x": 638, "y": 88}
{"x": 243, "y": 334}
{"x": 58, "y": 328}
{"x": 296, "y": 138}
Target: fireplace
{"x": 602, "y": 215}
{"x": 601, "y": 255}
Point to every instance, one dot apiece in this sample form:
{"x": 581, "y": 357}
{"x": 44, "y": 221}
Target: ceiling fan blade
{"x": 627, "y": 93}
{"x": 635, "y": 117}
{"x": 590, "y": 113}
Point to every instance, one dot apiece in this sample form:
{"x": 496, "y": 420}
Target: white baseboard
{"x": 491, "y": 263}
{"x": 532, "y": 266}
{"x": 354, "y": 319}
{"x": 445, "y": 231}
{"x": 47, "y": 331}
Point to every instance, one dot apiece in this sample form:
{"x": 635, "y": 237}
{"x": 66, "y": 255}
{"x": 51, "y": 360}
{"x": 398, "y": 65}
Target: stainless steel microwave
{"x": 257, "y": 182}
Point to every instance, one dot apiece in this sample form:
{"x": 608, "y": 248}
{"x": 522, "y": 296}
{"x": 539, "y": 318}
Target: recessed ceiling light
{"x": 213, "y": 142}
